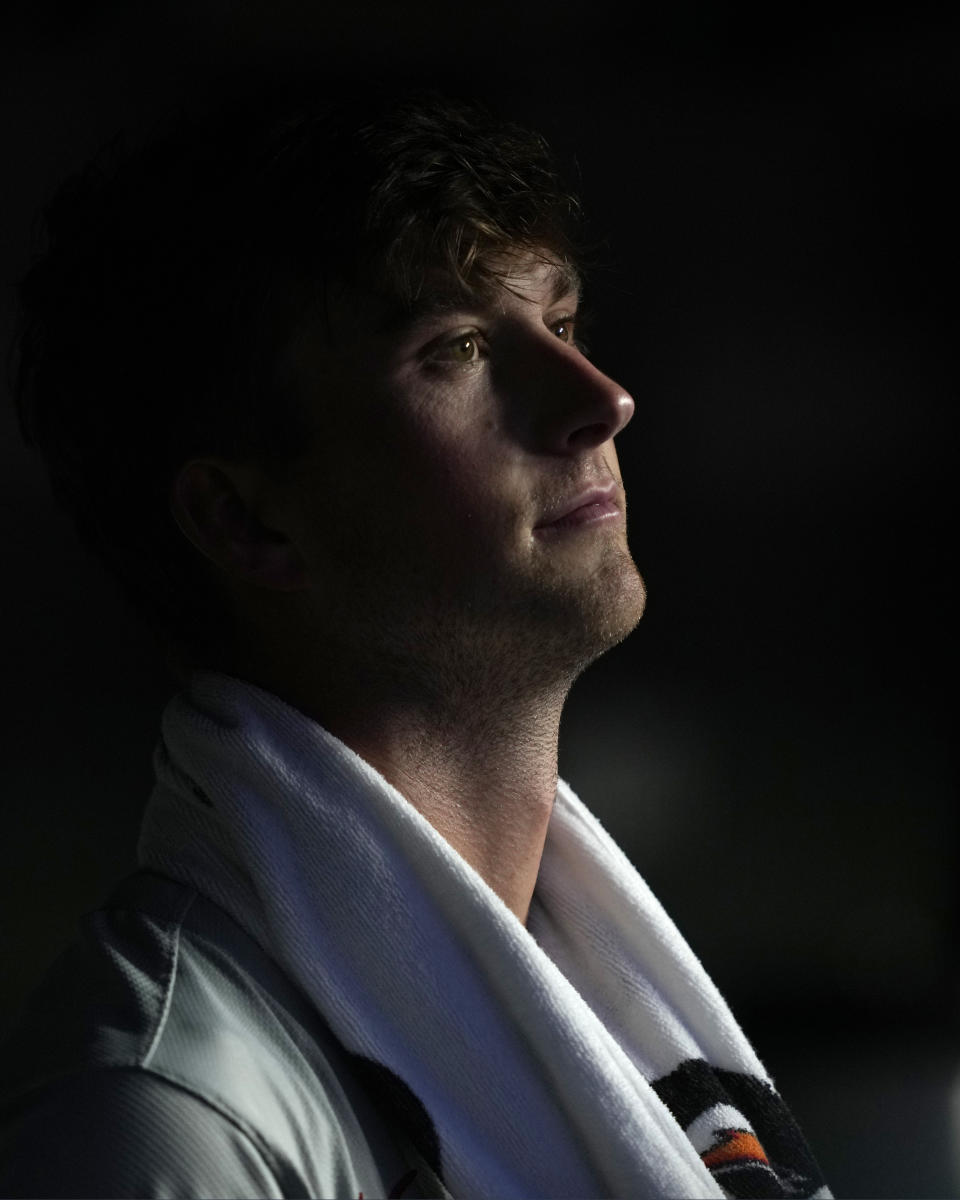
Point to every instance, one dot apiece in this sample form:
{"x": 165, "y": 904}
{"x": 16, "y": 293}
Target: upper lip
{"x": 592, "y": 495}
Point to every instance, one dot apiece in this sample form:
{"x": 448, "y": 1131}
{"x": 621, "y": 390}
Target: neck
{"x": 479, "y": 761}
{"x": 485, "y": 778}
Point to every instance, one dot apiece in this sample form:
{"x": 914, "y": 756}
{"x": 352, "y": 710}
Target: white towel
{"x": 582, "y": 1055}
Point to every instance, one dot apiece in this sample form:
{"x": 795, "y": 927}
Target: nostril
{"x": 585, "y": 436}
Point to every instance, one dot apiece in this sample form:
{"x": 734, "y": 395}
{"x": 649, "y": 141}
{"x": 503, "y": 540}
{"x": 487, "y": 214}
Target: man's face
{"x": 462, "y": 496}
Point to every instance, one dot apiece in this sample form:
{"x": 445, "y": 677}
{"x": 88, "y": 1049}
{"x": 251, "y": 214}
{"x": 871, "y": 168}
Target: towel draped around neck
{"x": 585, "y": 1054}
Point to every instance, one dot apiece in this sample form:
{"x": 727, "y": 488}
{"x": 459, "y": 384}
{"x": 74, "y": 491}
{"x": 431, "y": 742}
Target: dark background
{"x": 771, "y": 746}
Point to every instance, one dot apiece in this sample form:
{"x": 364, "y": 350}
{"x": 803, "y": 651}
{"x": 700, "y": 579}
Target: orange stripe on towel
{"x": 737, "y": 1146}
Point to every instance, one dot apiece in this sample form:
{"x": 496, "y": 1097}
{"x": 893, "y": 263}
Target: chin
{"x": 574, "y": 620}
{"x": 616, "y": 606}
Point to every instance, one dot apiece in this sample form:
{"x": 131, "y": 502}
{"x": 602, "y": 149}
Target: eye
{"x": 564, "y": 329}
{"x": 463, "y": 350}
{"x": 569, "y": 329}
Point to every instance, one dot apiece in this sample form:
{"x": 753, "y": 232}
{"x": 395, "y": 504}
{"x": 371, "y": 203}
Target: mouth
{"x": 596, "y": 506}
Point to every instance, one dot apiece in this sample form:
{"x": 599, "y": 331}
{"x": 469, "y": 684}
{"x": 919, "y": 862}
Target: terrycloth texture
{"x": 533, "y": 1050}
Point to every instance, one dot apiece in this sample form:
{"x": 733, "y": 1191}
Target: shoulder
{"x": 122, "y": 1132}
{"x": 164, "y": 1027}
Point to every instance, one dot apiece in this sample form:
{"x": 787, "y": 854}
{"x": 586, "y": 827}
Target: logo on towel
{"x": 742, "y": 1130}
{"x": 734, "y": 1147}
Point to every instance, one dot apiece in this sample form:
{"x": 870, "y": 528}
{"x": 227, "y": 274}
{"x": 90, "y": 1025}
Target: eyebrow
{"x": 448, "y": 298}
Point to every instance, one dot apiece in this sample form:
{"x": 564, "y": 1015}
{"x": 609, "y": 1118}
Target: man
{"x": 312, "y": 387}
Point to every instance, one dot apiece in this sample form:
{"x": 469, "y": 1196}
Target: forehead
{"x": 530, "y": 277}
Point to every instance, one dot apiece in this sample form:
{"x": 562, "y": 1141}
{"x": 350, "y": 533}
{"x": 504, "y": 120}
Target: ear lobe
{"x": 208, "y": 503}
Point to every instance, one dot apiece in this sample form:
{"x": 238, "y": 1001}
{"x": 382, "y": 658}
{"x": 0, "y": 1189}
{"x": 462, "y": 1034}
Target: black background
{"x": 771, "y": 747}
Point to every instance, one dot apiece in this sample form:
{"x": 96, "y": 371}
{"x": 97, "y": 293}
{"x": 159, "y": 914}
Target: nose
{"x": 574, "y": 405}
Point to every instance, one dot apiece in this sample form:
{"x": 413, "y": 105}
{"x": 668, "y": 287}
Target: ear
{"x": 216, "y": 505}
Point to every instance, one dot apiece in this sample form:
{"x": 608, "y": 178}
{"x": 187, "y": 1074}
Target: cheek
{"x": 437, "y": 467}
{"x": 454, "y": 502}
{"x": 419, "y": 468}
{"x": 389, "y": 491}
{"x": 443, "y": 500}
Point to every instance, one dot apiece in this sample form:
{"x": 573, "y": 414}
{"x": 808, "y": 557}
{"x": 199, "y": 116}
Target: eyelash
{"x": 435, "y": 358}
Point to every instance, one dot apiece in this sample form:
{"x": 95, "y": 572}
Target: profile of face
{"x": 462, "y": 496}
{"x": 457, "y": 511}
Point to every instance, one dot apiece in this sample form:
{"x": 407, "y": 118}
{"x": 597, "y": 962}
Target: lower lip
{"x": 582, "y": 518}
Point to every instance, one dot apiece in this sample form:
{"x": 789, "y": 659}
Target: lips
{"x": 597, "y": 504}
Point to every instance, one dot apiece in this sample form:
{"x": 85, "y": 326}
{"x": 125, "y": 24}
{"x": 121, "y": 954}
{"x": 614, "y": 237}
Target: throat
{"x": 469, "y": 738}
{"x": 486, "y": 780}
